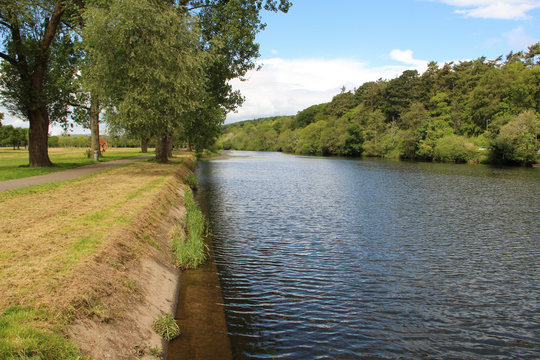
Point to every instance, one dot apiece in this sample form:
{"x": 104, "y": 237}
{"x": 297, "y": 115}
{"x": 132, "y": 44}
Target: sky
{"x": 310, "y": 53}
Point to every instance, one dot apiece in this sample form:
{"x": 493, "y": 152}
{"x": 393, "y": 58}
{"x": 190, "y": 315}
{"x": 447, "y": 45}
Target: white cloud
{"x": 12, "y": 120}
{"x": 494, "y": 9}
{"x": 518, "y": 39}
{"x": 284, "y": 87}
{"x": 406, "y": 57}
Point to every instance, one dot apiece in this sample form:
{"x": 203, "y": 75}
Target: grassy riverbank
{"x": 71, "y": 257}
{"x": 14, "y": 163}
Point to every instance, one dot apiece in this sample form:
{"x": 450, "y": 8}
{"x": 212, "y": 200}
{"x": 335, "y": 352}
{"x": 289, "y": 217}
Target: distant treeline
{"x": 12, "y": 136}
{"x": 471, "y": 111}
{"x": 83, "y": 141}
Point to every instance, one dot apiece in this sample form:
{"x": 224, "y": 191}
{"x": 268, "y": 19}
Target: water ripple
{"x": 341, "y": 259}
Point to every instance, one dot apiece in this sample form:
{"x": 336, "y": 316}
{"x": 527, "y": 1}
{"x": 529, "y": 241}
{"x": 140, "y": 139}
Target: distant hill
{"x": 471, "y": 111}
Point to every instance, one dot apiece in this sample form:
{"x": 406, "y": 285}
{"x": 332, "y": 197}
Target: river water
{"x": 326, "y": 258}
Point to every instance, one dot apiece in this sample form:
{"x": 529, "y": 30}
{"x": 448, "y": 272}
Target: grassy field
{"x": 14, "y": 163}
{"x": 63, "y": 250}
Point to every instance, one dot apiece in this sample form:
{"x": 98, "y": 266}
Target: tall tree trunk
{"x": 162, "y": 148}
{"x": 189, "y": 145}
{"x": 144, "y": 144}
{"x": 38, "y": 115}
{"x": 94, "y": 125}
{"x": 38, "y": 138}
{"x": 170, "y": 143}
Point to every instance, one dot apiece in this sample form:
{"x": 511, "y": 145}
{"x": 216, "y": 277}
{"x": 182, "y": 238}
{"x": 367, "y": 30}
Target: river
{"x": 327, "y": 258}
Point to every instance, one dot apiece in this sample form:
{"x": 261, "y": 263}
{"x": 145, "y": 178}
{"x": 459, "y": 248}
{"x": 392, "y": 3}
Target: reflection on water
{"x": 328, "y": 258}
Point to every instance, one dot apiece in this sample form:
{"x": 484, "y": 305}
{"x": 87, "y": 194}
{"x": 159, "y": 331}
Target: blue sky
{"x": 320, "y": 46}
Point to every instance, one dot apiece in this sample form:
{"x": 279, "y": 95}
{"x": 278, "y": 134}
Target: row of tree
{"x": 11, "y": 136}
{"x": 480, "y": 110}
{"x": 152, "y": 68}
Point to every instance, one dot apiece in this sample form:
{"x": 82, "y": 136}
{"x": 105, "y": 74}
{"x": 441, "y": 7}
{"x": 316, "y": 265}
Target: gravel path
{"x": 66, "y": 174}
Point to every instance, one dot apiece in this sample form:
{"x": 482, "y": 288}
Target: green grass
{"x": 23, "y": 335}
{"x": 166, "y": 327}
{"x": 190, "y": 252}
{"x": 14, "y": 163}
{"x": 191, "y": 180}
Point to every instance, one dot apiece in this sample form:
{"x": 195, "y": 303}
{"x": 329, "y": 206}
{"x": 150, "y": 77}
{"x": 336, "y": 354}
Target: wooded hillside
{"x": 470, "y": 111}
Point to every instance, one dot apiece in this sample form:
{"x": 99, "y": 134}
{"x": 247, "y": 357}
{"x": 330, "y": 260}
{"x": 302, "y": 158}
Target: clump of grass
{"x": 24, "y": 336}
{"x": 191, "y": 181}
{"x": 156, "y": 351}
{"x": 191, "y": 250}
{"x": 166, "y": 327}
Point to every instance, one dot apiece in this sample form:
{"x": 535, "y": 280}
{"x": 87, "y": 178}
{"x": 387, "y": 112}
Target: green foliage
{"x": 445, "y": 115}
{"x": 310, "y": 115}
{"x": 166, "y": 327}
{"x": 454, "y": 148}
{"x": 146, "y": 61}
{"x": 15, "y": 137}
{"x": 23, "y": 335}
{"x": 354, "y": 141}
{"x": 310, "y": 139}
{"x": 190, "y": 251}
{"x": 24, "y": 54}
{"x": 517, "y": 141}
{"x": 80, "y": 141}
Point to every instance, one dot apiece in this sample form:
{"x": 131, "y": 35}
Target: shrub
{"x": 454, "y": 148}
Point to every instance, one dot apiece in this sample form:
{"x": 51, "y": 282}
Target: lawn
{"x": 14, "y": 163}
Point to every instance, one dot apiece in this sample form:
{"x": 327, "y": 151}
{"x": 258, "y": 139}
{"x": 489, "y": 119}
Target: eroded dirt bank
{"x": 136, "y": 281}
{"x": 132, "y": 281}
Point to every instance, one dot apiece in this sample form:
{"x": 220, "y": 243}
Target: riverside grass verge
{"x": 190, "y": 251}
{"x": 66, "y": 252}
{"x": 14, "y": 163}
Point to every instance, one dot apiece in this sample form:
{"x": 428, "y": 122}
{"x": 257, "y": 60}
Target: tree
{"x": 431, "y": 128}
{"x": 87, "y": 113}
{"x": 161, "y": 68}
{"x": 400, "y": 93}
{"x": 310, "y": 115}
{"x": 353, "y": 141}
{"x": 228, "y": 34}
{"x": 147, "y": 61}
{"x": 38, "y": 64}
{"x": 10, "y": 136}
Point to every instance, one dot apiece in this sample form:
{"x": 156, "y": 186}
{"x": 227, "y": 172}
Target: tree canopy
{"x": 155, "y": 65}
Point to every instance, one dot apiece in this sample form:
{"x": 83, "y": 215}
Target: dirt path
{"x": 66, "y": 174}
